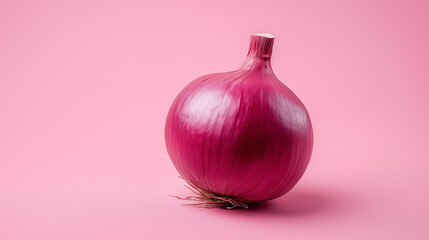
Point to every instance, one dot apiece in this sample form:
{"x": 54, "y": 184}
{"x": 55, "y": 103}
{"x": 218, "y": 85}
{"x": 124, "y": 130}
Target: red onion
{"x": 242, "y": 136}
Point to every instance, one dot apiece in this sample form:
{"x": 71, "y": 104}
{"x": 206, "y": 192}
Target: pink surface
{"x": 85, "y": 87}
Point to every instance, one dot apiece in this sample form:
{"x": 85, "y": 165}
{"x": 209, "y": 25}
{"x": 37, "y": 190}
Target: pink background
{"x": 85, "y": 87}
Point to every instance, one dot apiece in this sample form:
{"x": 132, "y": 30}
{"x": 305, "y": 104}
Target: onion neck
{"x": 259, "y": 55}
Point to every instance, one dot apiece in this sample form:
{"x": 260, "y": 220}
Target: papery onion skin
{"x": 240, "y": 134}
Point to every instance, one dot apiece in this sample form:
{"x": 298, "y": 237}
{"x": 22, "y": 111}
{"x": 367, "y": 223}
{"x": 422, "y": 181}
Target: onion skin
{"x": 240, "y": 134}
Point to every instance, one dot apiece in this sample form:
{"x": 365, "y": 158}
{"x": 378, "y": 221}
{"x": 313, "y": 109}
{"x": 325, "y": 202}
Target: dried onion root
{"x": 206, "y": 199}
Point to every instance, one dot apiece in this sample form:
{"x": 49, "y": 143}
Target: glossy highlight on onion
{"x": 239, "y": 137}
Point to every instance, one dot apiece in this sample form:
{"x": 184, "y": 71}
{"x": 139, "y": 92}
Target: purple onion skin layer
{"x": 240, "y": 134}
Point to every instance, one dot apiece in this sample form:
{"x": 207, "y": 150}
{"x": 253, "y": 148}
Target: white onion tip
{"x": 266, "y": 35}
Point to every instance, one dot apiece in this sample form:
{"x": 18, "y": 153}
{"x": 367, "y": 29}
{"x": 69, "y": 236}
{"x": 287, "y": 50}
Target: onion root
{"x": 206, "y": 199}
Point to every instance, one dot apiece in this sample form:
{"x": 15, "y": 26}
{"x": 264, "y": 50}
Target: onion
{"x": 239, "y": 137}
